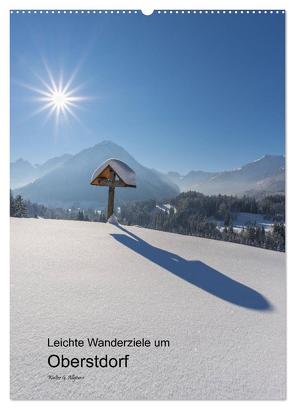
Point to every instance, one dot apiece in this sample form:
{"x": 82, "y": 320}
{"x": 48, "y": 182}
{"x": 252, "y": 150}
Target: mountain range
{"x": 64, "y": 181}
{"x": 23, "y": 172}
{"x": 263, "y": 176}
{"x": 68, "y": 184}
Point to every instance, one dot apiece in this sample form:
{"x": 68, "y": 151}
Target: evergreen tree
{"x": 80, "y": 215}
{"x": 20, "y": 208}
{"x": 12, "y": 205}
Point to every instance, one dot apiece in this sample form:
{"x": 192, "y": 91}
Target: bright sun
{"x": 59, "y": 99}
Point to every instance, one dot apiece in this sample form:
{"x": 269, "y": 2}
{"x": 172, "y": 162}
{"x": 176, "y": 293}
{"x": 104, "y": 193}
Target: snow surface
{"x": 221, "y": 305}
{"x": 166, "y": 207}
{"x": 242, "y": 219}
{"x": 113, "y": 220}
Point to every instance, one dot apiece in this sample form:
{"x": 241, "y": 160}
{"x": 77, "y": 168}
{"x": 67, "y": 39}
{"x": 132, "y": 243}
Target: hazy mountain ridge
{"x": 69, "y": 183}
{"x": 22, "y": 172}
{"x": 265, "y": 175}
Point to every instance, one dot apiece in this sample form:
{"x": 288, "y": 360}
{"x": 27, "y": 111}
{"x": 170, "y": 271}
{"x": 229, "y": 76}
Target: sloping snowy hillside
{"x": 221, "y": 306}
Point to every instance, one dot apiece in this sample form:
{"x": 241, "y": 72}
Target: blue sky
{"x": 178, "y": 92}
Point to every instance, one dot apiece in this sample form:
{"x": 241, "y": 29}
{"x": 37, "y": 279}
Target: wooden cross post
{"x": 113, "y": 173}
{"x": 111, "y": 196}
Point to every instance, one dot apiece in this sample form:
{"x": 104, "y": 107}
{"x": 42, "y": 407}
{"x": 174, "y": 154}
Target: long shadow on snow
{"x": 197, "y": 273}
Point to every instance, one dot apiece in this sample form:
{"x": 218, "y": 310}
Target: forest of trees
{"x": 191, "y": 213}
{"x": 24, "y": 208}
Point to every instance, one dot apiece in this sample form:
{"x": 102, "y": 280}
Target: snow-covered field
{"x": 221, "y": 305}
{"x": 242, "y": 219}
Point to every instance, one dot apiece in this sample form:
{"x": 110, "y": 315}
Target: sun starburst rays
{"x": 58, "y": 98}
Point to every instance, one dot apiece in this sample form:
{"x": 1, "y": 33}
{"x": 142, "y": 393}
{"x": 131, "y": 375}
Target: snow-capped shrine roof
{"x": 124, "y": 172}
